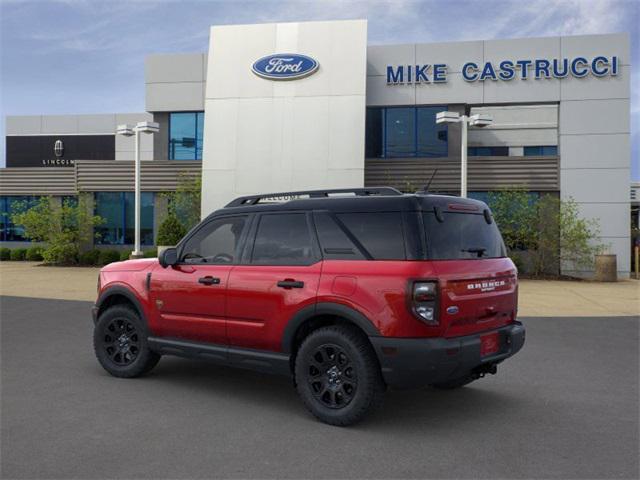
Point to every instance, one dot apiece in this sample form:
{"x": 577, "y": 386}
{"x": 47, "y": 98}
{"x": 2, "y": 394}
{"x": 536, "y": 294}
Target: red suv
{"x": 347, "y": 291}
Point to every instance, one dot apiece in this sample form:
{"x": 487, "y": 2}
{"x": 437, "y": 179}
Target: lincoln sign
{"x": 506, "y": 70}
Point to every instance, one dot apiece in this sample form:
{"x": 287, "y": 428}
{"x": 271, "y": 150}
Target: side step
{"x": 259, "y": 360}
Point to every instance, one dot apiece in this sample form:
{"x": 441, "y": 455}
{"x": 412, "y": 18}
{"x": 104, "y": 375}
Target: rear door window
{"x": 283, "y": 239}
{"x": 462, "y": 236}
{"x": 381, "y": 234}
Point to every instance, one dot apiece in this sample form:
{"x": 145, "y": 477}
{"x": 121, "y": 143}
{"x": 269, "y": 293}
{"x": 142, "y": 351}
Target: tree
{"x": 63, "y": 227}
{"x": 170, "y": 231}
{"x": 548, "y": 231}
{"x": 184, "y": 203}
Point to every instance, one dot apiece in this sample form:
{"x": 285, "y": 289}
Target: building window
{"x": 117, "y": 210}
{"x": 10, "y": 232}
{"x": 185, "y": 135}
{"x": 488, "y": 151}
{"x": 405, "y": 132}
{"x": 541, "y": 151}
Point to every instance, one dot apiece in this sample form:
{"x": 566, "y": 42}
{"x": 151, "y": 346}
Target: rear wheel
{"x": 337, "y": 375}
{"x": 120, "y": 343}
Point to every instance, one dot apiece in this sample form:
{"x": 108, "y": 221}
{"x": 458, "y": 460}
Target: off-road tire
{"x": 125, "y": 358}
{"x": 355, "y": 387}
{"x": 455, "y": 383}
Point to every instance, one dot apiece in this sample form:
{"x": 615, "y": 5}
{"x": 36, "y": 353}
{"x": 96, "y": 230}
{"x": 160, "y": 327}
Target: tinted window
{"x": 432, "y": 137}
{"x": 185, "y": 135}
{"x": 283, "y": 239}
{"x": 400, "y": 132}
{"x": 488, "y": 151}
{"x": 381, "y": 234}
{"x": 373, "y": 136}
{"x": 541, "y": 151}
{"x": 117, "y": 211}
{"x": 462, "y": 236}
{"x": 334, "y": 242}
{"x": 216, "y": 242}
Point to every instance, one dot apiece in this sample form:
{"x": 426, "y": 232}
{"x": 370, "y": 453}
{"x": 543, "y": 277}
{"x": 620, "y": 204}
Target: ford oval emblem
{"x": 285, "y": 66}
{"x": 452, "y": 310}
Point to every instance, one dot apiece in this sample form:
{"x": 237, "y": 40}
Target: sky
{"x": 87, "y": 56}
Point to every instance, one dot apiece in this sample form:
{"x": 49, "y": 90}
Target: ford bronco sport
{"x": 346, "y": 291}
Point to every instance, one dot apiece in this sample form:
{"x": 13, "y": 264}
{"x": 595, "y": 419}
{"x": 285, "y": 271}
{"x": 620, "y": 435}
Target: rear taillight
{"x": 423, "y": 301}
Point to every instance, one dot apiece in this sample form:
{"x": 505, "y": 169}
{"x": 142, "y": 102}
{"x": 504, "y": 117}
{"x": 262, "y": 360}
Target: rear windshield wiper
{"x": 479, "y": 251}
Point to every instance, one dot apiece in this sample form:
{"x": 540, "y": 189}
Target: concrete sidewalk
{"x": 538, "y": 298}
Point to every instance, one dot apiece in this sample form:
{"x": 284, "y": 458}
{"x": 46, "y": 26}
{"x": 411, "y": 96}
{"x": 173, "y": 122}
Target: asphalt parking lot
{"x": 565, "y": 407}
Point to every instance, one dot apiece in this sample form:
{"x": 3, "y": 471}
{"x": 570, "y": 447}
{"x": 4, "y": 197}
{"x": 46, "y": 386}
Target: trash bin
{"x": 606, "y": 268}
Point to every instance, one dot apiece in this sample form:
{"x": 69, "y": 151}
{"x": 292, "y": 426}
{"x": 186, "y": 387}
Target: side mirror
{"x": 169, "y": 257}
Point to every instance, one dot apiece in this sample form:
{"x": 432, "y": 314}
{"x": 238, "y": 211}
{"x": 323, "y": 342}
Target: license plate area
{"x": 489, "y": 344}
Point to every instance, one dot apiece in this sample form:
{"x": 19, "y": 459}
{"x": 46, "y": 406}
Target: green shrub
{"x": 5, "y": 254}
{"x": 108, "y": 256}
{"x": 151, "y": 253}
{"x": 90, "y": 257}
{"x": 34, "y": 254}
{"x": 171, "y": 231}
{"x": 18, "y": 254}
{"x": 63, "y": 227}
{"x": 124, "y": 255}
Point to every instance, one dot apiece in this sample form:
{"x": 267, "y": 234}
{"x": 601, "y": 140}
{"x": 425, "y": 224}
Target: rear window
{"x": 381, "y": 234}
{"x": 462, "y": 236}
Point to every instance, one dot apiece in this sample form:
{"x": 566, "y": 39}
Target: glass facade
{"x": 9, "y": 232}
{"x": 405, "y": 132}
{"x": 117, "y": 209}
{"x": 541, "y": 151}
{"x": 185, "y": 135}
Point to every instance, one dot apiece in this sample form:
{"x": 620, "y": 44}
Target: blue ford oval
{"x": 285, "y": 66}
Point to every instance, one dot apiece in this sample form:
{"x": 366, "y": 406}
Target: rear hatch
{"x": 477, "y": 282}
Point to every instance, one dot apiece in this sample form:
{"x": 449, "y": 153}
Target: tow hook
{"x": 483, "y": 370}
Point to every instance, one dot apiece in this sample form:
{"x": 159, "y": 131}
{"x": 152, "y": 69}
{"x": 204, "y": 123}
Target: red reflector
{"x": 489, "y": 344}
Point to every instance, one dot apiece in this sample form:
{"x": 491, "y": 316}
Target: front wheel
{"x": 338, "y": 376}
{"x": 120, "y": 343}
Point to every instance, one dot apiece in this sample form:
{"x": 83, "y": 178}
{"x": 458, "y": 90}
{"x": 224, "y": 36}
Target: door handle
{"x": 209, "y": 280}
{"x": 289, "y": 283}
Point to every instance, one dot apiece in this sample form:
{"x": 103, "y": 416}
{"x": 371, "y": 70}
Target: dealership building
{"x": 294, "y": 106}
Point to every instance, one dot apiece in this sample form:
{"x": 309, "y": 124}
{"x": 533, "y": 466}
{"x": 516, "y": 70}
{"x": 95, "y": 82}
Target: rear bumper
{"x": 416, "y": 362}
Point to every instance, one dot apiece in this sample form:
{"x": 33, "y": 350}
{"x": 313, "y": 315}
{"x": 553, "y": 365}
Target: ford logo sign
{"x": 285, "y": 66}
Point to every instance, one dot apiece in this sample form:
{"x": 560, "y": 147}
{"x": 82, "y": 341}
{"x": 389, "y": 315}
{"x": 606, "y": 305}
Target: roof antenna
{"x": 426, "y": 187}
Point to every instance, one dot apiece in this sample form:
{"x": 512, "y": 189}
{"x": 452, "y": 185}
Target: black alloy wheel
{"x": 121, "y": 341}
{"x": 332, "y": 376}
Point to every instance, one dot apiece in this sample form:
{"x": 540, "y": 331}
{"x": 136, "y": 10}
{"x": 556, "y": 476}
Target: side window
{"x": 216, "y": 242}
{"x": 283, "y": 239}
{"x": 381, "y": 234}
{"x": 334, "y": 242}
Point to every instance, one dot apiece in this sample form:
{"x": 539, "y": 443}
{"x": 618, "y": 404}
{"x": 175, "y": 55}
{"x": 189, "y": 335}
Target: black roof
{"x": 380, "y": 199}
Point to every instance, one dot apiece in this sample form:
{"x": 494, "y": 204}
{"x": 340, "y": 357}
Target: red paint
{"x": 248, "y": 309}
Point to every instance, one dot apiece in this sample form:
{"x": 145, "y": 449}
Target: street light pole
{"x": 137, "y": 253}
{"x": 128, "y": 131}
{"x": 463, "y": 158}
{"x": 477, "y": 120}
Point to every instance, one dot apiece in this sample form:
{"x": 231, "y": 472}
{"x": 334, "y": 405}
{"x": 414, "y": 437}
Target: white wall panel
{"x": 594, "y": 117}
{"x": 595, "y": 151}
{"x": 267, "y": 135}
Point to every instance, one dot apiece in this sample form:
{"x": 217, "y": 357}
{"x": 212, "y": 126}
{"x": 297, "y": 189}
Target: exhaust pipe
{"x": 481, "y": 371}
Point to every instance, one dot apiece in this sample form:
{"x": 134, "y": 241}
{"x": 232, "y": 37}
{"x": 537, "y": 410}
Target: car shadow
{"x": 403, "y": 411}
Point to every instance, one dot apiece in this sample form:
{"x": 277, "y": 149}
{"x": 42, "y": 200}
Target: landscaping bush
{"x": 151, "y": 253}
{"x": 90, "y": 257}
{"x": 18, "y": 254}
{"x": 34, "y": 254}
{"x": 171, "y": 231}
{"x": 64, "y": 228}
{"x": 108, "y": 256}
{"x": 5, "y": 254}
{"x": 124, "y": 255}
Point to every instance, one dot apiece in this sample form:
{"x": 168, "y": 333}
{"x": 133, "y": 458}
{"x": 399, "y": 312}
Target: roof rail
{"x": 286, "y": 196}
